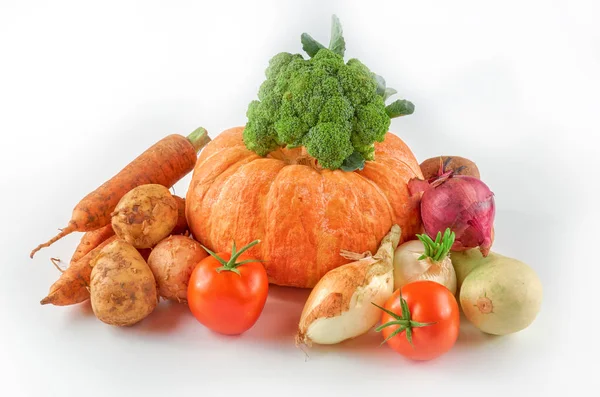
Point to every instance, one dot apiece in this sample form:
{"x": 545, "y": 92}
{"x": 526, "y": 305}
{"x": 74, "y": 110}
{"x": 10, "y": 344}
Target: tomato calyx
{"x": 404, "y": 322}
{"x": 232, "y": 264}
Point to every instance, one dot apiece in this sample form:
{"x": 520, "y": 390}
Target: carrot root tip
{"x": 68, "y": 230}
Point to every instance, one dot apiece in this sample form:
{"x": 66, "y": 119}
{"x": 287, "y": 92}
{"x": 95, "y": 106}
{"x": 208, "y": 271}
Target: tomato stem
{"x": 404, "y": 322}
{"x": 233, "y": 264}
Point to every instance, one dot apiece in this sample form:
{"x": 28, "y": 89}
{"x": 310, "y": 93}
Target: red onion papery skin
{"x": 464, "y": 204}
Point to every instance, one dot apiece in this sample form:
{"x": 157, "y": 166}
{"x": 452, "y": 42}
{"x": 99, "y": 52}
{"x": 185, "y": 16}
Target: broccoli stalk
{"x": 335, "y": 109}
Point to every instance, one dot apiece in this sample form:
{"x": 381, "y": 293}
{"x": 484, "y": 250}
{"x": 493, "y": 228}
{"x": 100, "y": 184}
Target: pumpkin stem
{"x": 233, "y": 264}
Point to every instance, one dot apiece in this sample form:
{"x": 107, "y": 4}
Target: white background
{"x": 86, "y": 86}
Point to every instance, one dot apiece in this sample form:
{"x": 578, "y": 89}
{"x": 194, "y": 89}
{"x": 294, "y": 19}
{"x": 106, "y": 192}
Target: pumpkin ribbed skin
{"x": 303, "y": 215}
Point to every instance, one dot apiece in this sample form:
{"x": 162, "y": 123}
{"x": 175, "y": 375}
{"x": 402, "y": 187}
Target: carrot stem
{"x": 199, "y": 138}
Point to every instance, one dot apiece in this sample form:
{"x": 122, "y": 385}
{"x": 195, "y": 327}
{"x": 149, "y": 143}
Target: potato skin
{"x": 145, "y": 215}
{"x": 122, "y": 287}
{"x": 172, "y": 262}
{"x": 431, "y": 166}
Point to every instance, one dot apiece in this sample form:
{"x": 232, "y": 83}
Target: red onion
{"x": 462, "y": 203}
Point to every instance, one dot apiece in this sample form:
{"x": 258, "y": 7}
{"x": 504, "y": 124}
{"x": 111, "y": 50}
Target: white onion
{"x": 408, "y": 267}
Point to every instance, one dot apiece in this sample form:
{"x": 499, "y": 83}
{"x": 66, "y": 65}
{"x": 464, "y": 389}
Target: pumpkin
{"x": 302, "y": 214}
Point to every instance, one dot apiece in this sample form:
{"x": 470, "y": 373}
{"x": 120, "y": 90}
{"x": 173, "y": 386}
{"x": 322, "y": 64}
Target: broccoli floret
{"x": 367, "y": 151}
{"x": 337, "y": 109}
{"x": 358, "y": 83}
{"x": 328, "y": 60}
{"x": 277, "y": 63}
{"x": 370, "y": 124}
{"x": 334, "y": 109}
{"x": 290, "y": 130}
{"x": 329, "y": 143}
{"x": 259, "y": 134}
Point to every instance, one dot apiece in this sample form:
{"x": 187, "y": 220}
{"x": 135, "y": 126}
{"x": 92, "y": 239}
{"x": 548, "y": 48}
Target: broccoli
{"x": 335, "y": 109}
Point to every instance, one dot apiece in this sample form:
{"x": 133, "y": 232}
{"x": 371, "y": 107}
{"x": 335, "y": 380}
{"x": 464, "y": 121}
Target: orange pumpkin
{"x": 302, "y": 214}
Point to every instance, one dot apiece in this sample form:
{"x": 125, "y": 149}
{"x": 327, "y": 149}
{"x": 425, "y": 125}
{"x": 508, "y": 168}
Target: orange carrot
{"x": 164, "y": 163}
{"x": 91, "y": 240}
{"x": 72, "y": 285}
{"x": 145, "y": 252}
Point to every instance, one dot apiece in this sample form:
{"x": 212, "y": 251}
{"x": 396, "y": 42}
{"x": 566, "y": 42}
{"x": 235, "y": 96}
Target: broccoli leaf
{"x": 310, "y": 45}
{"x": 380, "y": 84}
{"x": 388, "y": 93}
{"x": 400, "y": 107}
{"x": 337, "y": 43}
{"x": 354, "y": 162}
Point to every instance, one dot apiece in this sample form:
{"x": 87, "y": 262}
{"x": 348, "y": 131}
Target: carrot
{"x": 72, "y": 285}
{"x": 91, "y": 240}
{"x": 164, "y": 163}
{"x": 181, "y": 226}
{"x": 144, "y": 252}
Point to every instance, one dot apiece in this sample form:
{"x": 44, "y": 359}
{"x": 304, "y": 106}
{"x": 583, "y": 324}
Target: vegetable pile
{"x": 313, "y": 192}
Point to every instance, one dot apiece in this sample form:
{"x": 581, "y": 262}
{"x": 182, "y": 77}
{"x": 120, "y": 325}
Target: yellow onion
{"x": 340, "y": 306}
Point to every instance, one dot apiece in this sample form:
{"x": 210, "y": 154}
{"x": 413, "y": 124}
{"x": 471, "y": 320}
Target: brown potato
{"x": 145, "y": 215}
{"x": 122, "y": 286}
{"x": 430, "y": 167}
{"x": 172, "y": 262}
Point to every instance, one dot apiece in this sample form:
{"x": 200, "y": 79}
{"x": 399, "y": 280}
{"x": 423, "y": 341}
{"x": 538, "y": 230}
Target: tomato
{"x": 421, "y": 320}
{"x": 227, "y": 291}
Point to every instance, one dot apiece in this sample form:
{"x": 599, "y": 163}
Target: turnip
{"x": 501, "y": 296}
{"x": 465, "y": 262}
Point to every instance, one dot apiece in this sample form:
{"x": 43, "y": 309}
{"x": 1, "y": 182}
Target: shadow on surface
{"x": 166, "y": 318}
{"x": 470, "y": 337}
{"x": 83, "y": 309}
{"x": 79, "y": 314}
{"x": 278, "y": 322}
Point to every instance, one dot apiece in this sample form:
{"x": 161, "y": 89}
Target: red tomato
{"x": 430, "y": 320}
{"x": 228, "y": 301}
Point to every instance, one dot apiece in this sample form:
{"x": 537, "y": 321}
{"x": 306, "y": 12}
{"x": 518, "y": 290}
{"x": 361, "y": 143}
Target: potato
{"x": 145, "y": 215}
{"x": 430, "y": 167}
{"x": 172, "y": 262}
{"x": 122, "y": 286}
